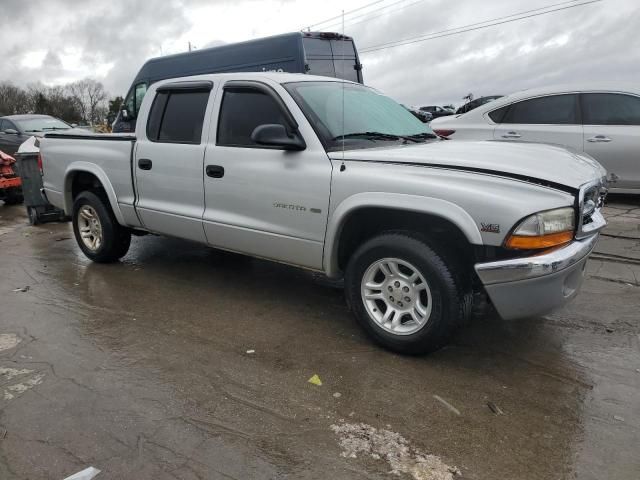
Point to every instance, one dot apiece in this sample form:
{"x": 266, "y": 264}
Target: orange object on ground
{"x": 9, "y": 179}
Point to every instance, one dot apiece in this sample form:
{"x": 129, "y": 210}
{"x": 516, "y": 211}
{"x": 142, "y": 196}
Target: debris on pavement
{"x": 447, "y": 404}
{"x": 86, "y": 474}
{"x": 337, "y": 395}
{"x": 9, "y": 341}
{"x": 618, "y": 418}
{"x": 494, "y": 408}
{"x": 22, "y": 289}
{"x": 315, "y": 380}
{"x": 403, "y": 458}
{"x": 251, "y": 351}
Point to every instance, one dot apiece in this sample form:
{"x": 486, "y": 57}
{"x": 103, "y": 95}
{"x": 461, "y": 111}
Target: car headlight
{"x": 544, "y": 230}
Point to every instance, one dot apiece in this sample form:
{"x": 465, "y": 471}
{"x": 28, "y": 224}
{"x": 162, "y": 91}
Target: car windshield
{"x": 42, "y": 124}
{"x": 370, "y": 118}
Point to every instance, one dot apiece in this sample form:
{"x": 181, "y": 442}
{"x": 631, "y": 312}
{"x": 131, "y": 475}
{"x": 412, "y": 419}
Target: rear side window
{"x": 610, "y": 109}
{"x": 498, "y": 115}
{"x": 553, "y": 109}
{"x": 242, "y": 110}
{"x": 177, "y": 117}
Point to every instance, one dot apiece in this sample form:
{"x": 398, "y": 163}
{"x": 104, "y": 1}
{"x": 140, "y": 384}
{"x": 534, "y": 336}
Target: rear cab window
{"x": 177, "y": 116}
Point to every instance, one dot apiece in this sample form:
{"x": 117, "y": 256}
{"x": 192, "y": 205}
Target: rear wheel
{"x": 404, "y": 293}
{"x": 33, "y": 216}
{"x": 99, "y": 235}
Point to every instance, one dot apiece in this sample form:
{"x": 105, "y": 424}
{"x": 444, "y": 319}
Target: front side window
{"x": 242, "y": 110}
{"x": 610, "y": 109}
{"x": 550, "y": 110}
{"x": 140, "y": 91}
{"x": 177, "y": 116}
{"x": 369, "y": 118}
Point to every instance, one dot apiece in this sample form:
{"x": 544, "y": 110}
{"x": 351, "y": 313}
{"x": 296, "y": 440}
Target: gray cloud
{"x": 598, "y": 42}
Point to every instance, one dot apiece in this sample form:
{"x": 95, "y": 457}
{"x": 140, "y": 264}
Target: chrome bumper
{"x": 524, "y": 287}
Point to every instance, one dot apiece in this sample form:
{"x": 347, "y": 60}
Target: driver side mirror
{"x": 276, "y": 135}
{"x": 125, "y": 113}
{"x": 11, "y": 131}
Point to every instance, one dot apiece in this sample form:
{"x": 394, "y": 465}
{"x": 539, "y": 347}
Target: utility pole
{"x": 189, "y": 46}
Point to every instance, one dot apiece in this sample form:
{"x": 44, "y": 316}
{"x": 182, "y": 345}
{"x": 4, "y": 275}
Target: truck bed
{"x": 107, "y": 156}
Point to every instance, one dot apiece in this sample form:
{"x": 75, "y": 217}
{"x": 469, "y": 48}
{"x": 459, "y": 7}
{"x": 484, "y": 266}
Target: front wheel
{"x": 98, "y": 233}
{"x": 404, "y": 294}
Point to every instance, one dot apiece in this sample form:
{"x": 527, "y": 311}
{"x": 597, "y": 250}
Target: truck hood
{"x": 537, "y": 163}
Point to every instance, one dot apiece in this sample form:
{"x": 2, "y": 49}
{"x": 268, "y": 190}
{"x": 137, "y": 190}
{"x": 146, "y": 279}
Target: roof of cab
{"x": 277, "y": 77}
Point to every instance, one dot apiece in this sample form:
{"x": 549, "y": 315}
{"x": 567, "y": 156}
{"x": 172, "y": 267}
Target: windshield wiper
{"x": 56, "y": 128}
{"x": 376, "y": 136}
{"x": 368, "y": 135}
{"x": 423, "y": 135}
{"x": 34, "y": 130}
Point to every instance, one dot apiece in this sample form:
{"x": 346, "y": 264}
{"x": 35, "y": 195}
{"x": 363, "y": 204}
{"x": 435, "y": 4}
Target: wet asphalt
{"x": 182, "y": 362}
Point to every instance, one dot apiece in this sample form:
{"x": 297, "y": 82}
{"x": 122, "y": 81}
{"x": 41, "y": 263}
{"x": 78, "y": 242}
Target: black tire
{"x": 33, "y": 216}
{"x": 13, "y": 196}
{"x": 115, "y": 238}
{"x": 450, "y": 298}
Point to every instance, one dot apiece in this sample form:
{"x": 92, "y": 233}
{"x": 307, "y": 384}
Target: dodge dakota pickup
{"x": 335, "y": 177}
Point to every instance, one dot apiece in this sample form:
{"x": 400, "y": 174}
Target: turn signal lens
{"x": 544, "y": 241}
{"x": 544, "y": 230}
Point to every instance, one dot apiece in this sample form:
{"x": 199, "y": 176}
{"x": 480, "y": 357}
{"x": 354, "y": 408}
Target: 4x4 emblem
{"x": 490, "y": 227}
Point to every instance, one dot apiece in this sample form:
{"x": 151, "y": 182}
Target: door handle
{"x": 215, "y": 171}
{"x": 145, "y": 164}
{"x": 511, "y": 135}
{"x": 599, "y": 139}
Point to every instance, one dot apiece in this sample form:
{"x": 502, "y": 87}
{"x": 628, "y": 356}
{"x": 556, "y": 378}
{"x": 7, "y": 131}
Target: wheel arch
{"x": 406, "y": 208}
{"x": 81, "y": 176}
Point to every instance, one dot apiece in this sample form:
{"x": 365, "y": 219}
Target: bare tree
{"x": 12, "y": 99}
{"x": 90, "y": 97}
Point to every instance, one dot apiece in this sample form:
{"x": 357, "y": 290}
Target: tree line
{"x": 84, "y": 102}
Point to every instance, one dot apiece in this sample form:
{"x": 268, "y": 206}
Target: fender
{"x": 414, "y": 203}
{"x": 76, "y": 167}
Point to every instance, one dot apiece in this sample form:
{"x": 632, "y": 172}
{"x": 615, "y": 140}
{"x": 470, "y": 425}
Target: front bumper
{"x": 530, "y": 286}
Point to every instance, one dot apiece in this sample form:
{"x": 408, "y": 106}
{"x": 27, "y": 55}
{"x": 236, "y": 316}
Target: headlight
{"x": 544, "y": 230}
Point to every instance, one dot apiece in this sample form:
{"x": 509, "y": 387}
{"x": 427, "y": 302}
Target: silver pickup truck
{"x": 335, "y": 177}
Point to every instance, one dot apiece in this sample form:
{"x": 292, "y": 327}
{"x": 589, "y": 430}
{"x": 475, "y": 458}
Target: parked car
{"x": 270, "y": 165}
{"x": 602, "y": 120}
{"x": 316, "y": 53}
{"x": 424, "y": 117}
{"x": 436, "y": 112}
{"x": 16, "y": 129}
{"x": 467, "y": 107}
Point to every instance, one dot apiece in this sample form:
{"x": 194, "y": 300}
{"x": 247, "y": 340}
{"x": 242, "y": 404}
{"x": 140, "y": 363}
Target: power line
{"x": 345, "y": 13}
{"x": 367, "y": 14}
{"x": 475, "y": 26}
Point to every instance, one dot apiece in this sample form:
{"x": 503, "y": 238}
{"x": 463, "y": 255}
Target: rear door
{"x": 168, "y": 159}
{"x": 261, "y": 200}
{"x": 612, "y": 135}
{"x": 552, "y": 119}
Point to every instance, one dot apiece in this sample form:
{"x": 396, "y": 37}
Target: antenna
{"x": 342, "y": 166}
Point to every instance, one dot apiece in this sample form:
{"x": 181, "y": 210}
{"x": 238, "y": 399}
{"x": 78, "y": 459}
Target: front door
{"x": 612, "y": 135}
{"x": 260, "y": 200}
{"x": 551, "y": 119}
{"x": 168, "y": 160}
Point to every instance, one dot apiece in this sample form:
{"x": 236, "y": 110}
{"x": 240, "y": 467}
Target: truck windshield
{"x": 370, "y": 118}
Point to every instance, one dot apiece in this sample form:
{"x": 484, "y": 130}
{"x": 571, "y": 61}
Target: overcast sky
{"x": 57, "y": 41}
